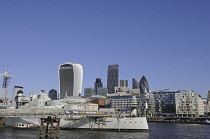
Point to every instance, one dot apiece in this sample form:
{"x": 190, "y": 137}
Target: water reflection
{"x": 157, "y": 131}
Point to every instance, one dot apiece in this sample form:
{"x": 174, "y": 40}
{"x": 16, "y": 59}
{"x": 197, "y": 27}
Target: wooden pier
{"x": 1, "y": 122}
{"x": 50, "y": 127}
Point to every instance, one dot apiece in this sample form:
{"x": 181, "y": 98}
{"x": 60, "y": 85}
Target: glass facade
{"x": 112, "y": 78}
{"x": 189, "y": 104}
{"x": 135, "y": 84}
{"x": 123, "y": 83}
{"x": 144, "y": 86}
{"x": 88, "y": 92}
{"x": 165, "y": 103}
{"x": 98, "y": 83}
{"x": 70, "y": 79}
{"x": 53, "y": 94}
{"x": 66, "y": 74}
{"x": 101, "y": 91}
{"x": 124, "y": 102}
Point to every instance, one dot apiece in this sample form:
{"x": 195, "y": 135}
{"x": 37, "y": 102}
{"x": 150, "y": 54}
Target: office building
{"x": 205, "y": 105}
{"x": 123, "y": 83}
{"x": 98, "y": 83}
{"x": 53, "y": 94}
{"x": 208, "y": 96}
{"x": 135, "y": 84}
{"x": 147, "y": 106}
{"x": 165, "y": 103}
{"x": 124, "y": 102}
{"x": 112, "y": 77}
{"x": 188, "y": 104}
{"x": 102, "y": 91}
{"x": 135, "y": 91}
{"x": 88, "y": 92}
{"x": 70, "y": 79}
{"x": 208, "y": 102}
{"x": 144, "y": 87}
{"x": 121, "y": 89}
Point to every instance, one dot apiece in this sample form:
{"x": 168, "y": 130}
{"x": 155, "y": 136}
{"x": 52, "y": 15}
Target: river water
{"x": 156, "y": 131}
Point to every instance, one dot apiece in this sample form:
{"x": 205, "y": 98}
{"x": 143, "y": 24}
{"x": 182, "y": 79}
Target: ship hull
{"x": 89, "y": 123}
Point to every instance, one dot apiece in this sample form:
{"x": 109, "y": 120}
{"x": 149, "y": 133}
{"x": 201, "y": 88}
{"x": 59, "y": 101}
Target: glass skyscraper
{"x": 98, "y": 83}
{"x": 53, "y": 94}
{"x": 135, "y": 83}
{"x": 144, "y": 86}
{"x": 123, "y": 83}
{"x": 70, "y": 78}
{"x": 112, "y": 78}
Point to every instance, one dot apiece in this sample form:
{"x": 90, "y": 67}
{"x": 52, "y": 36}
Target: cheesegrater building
{"x": 70, "y": 79}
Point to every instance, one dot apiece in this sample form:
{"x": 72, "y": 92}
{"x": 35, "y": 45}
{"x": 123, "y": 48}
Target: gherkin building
{"x": 144, "y": 86}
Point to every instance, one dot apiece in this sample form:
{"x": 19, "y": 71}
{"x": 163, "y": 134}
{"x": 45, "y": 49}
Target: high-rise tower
{"x": 98, "y": 83}
{"x": 135, "y": 83}
{"x": 144, "y": 86}
{"x": 53, "y": 94}
{"x": 112, "y": 78}
{"x": 208, "y": 100}
{"x": 123, "y": 83}
{"x": 70, "y": 79}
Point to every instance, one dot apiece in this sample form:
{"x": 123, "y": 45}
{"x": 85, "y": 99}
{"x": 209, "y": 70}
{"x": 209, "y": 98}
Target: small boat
{"x": 23, "y": 126}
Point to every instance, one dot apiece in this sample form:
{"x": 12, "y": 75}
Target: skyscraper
{"x": 208, "y": 96}
{"x": 53, "y": 94}
{"x": 135, "y": 83}
{"x": 123, "y": 83}
{"x": 98, "y": 83}
{"x": 112, "y": 78}
{"x": 70, "y": 79}
{"x": 144, "y": 86}
{"x": 208, "y": 100}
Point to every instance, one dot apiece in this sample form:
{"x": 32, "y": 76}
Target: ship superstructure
{"x": 74, "y": 112}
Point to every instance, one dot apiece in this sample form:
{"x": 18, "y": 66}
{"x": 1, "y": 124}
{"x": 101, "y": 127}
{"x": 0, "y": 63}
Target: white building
{"x": 70, "y": 79}
{"x": 124, "y": 102}
{"x": 188, "y": 104}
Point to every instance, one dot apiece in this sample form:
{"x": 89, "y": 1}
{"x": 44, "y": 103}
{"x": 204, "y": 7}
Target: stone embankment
{"x": 184, "y": 120}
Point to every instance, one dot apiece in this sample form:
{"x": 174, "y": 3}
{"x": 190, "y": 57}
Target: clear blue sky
{"x": 167, "y": 41}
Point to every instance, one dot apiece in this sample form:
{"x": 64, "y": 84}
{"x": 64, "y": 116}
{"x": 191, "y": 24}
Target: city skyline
{"x": 167, "y": 41}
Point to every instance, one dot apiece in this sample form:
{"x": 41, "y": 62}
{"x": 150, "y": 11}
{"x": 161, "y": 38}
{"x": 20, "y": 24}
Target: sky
{"x": 167, "y": 41}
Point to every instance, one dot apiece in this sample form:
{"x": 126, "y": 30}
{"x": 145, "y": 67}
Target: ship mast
{"x": 6, "y": 80}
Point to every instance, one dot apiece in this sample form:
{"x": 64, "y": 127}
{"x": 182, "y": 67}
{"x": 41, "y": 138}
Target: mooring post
{"x": 48, "y": 128}
{"x": 1, "y": 122}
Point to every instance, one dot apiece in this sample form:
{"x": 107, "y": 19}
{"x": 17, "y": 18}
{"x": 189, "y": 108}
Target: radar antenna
{"x": 6, "y": 80}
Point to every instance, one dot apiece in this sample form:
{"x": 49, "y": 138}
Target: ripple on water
{"x": 156, "y": 131}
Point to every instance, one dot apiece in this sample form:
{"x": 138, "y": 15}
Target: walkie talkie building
{"x": 70, "y": 79}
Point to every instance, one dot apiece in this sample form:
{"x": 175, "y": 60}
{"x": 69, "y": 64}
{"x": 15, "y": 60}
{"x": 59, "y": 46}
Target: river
{"x": 156, "y": 131}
